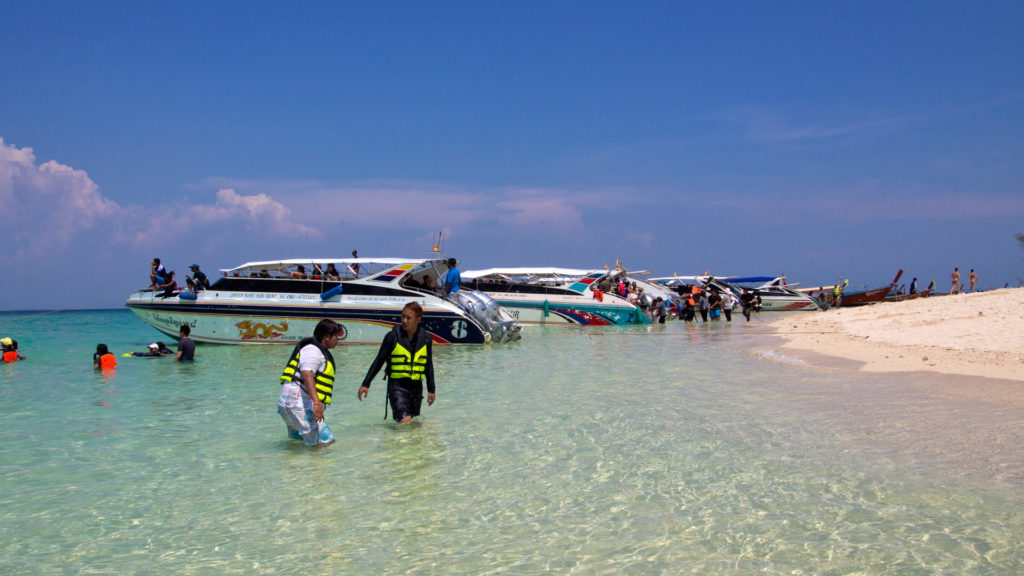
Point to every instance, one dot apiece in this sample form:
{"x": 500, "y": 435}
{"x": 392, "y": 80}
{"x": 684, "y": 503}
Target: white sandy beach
{"x": 977, "y": 334}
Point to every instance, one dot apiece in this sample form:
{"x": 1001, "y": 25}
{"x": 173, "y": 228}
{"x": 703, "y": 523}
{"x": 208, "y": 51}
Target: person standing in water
{"x": 408, "y": 353}
{"x": 186, "y": 347}
{"x": 307, "y": 385}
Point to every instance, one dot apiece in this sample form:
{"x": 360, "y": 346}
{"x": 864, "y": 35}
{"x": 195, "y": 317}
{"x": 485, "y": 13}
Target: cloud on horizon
{"x": 377, "y": 204}
{"x": 764, "y": 125}
{"x": 47, "y": 206}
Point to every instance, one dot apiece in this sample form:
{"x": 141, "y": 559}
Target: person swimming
{"x": 103, "y": 358}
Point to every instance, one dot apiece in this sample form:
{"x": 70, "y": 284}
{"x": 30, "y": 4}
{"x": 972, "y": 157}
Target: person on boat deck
{"x": 197, "y": 280}
{"x": 332, "y": 272}
{"x": 307, "y": 385}
{"x": 157, "y": 274}
{"x": 354, "y": 267}
{"x": 632, "y": 296}
{"x": 103, "y": 358}
{"x": 913, "y": 286}
{"x": 299, "y": 273}
{"x": 169, "y": 286}
{"x": 10, "y": 350}
{"x": 430, "y": 284}
{"x": 452, "y": 278}
{"x": 407, "y": 350}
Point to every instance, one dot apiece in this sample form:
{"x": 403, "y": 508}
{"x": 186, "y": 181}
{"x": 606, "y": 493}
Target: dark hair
{"x": 415, "y": 307}
{"x": 101, "y": 350}
{"x": 161, "y": 346}
{"x": 185, "y": 329}
{"x": 452, "y": 262}
{"x": 325, "y": 329}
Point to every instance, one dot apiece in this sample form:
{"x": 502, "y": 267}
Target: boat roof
{"x": 275, "y": 264}
{"x": 532, "y": 272}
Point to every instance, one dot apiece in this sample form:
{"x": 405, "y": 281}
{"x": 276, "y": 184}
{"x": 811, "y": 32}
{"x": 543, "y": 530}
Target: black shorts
{"x": 405, "y": 397}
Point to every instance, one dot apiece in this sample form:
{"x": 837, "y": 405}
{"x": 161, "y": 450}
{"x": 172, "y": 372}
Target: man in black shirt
{"x": 408, "y": 353}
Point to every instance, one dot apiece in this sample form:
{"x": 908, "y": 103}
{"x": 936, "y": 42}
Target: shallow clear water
{"x": 657, "y": 450}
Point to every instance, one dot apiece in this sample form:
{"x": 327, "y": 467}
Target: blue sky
{"x": 816, "y": 139}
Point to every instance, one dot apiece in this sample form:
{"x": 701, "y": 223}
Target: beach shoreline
{"x": 979, "y": 334}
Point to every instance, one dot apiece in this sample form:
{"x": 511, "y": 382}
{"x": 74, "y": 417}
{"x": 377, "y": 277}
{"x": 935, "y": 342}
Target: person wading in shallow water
{"x": 408, "y": 353}
{"x": 307, "y": 385}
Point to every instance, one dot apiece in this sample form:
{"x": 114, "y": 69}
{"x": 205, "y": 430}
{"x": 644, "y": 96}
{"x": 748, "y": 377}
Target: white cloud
{"x": 419, "y": 205}
{"x": 257, "y": 212}
{"x": 44, "y": 206}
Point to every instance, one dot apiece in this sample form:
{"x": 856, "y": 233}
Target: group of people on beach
{"x": 957, "y": 287}
{"x": 708, "y": 301}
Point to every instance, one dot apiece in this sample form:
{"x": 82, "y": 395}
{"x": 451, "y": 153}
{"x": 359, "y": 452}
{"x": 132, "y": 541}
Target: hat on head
{"x": 153, "y": 346}
{"x": 6, "y": 341}
{"x": 194, "y": 266}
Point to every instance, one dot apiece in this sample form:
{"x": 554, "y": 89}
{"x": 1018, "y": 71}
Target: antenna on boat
{"x": 438, "y": 249}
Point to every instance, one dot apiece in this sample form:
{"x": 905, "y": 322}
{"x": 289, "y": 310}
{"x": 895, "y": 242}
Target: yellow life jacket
{"x": 406, "y": 364}
{"x": 324, "y": 380}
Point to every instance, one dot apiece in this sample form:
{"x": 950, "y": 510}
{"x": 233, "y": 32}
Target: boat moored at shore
{"x": 280, "y": 301}
{"x": 553, "y": 296}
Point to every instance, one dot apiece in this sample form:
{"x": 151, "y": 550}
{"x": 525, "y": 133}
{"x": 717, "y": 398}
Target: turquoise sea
{"x": 657, "y": 449}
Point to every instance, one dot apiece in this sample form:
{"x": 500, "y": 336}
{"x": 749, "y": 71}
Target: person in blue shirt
{"x": 452, "y": 278}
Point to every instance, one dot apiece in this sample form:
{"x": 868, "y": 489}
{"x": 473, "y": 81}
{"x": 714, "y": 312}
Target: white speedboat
{"x": 553, "y": 296}
{"x": 776, "y": 295}
{"x": 282, "y": 301}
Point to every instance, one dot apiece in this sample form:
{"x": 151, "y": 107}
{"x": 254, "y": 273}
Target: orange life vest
{"x": 108, "y": 361}
{"x": 10, "y": 356}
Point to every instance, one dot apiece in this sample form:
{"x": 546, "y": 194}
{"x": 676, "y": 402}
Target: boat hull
{"x": 769, "y": 304}
{"x": 865, "y": 297}
{"x": 586, "y": 311}
{"x": 287, "y": 318}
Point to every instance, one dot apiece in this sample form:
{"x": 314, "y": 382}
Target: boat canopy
{"x": 367, "y": 266}
{"x": 527, "y": 274}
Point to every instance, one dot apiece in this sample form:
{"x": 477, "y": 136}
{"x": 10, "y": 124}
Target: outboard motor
{"x": 485, "y": 310}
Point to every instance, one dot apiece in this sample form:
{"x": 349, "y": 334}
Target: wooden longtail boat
{"x": 870, "y": 296}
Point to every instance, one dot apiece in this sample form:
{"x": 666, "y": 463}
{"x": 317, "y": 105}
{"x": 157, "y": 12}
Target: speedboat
{"x": 281, "y": 301}
{"x": 553, "y": 296}
{"x": 776, "y": 294}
